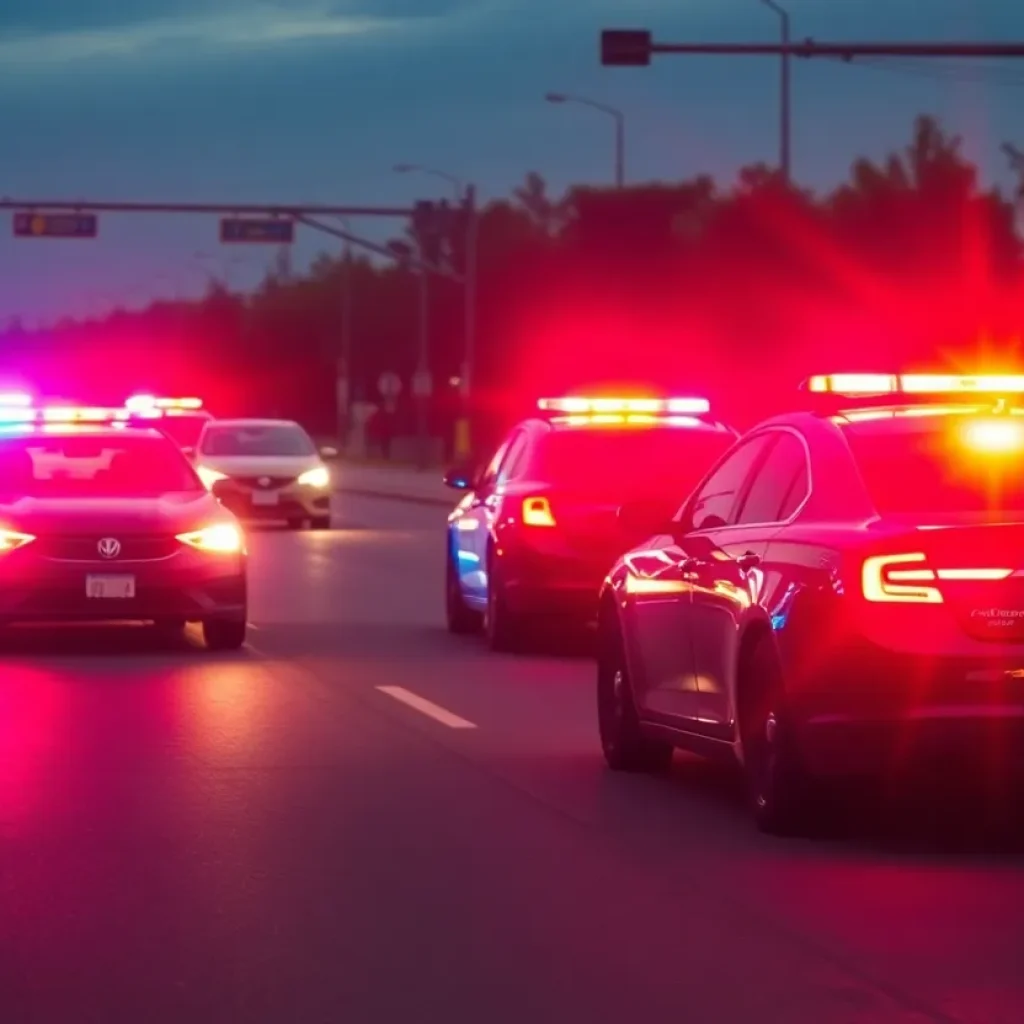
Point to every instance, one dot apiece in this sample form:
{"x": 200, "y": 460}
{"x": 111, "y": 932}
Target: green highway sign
{"x": 30, "y": 224}
{"x": 275, "y": 230}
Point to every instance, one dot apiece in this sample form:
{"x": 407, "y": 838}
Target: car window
{"x": 779, "y": 484}
{"x": 41, "y": 466}
{"x": 256, "y": 439}
{"x": 514, "y": 458}
{"x": 715, "y": 503}
{"x": 490, "y": 474}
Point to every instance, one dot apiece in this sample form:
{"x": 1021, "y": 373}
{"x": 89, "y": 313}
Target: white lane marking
{"x": 426, "y": 707}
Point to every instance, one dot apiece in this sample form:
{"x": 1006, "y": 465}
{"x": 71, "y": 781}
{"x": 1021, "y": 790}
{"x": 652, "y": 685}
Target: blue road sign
{"x": 257, "y": 229}
{"x": 29, "y": 224}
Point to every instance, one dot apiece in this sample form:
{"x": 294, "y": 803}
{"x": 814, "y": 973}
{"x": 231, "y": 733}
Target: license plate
{"x": 106, "y": 587}
{"x": 264, "y": 497}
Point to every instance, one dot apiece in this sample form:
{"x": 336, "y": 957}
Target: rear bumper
{"x": 876, "y": 712}
{"x": 556, "y": 585}
{"x": 191, "y": 586}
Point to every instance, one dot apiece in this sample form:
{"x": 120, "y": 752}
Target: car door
{"x": 660, "y": 592}
{"x": 734, "y": 576}
{"x": 472, "y": 527}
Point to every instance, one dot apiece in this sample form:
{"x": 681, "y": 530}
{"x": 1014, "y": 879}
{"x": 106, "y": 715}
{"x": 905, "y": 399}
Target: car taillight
{"x": 887, "y": 578}
{"x": 11, "y": 539}
{"x": 537, "y": 512}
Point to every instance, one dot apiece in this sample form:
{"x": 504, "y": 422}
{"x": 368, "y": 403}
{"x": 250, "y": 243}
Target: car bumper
{"x": 191, "y": 586}
{"x": 255, "y": 505}
{"x": 879, "y": 712}
{"x": 554, "y": 585}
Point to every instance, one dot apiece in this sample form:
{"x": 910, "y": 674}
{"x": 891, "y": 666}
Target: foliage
{"x": 739, "y": 291}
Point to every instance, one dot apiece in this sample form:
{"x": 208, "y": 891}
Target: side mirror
{"x": 329, "y": 452}
{"x": 647, "y": 517}
{"x": 460, "y": 479}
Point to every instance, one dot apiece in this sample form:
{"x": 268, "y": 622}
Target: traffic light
{"x": 625, "y": 48}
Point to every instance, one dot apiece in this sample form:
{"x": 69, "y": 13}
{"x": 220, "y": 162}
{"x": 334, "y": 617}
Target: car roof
{"x": 256, "y": 422}
{"x": 22, "y": 430}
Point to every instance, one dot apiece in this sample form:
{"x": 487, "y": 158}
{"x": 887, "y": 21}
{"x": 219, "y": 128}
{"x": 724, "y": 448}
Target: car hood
{"x": 259, "y": 465}
{"x": 171, "y": 513}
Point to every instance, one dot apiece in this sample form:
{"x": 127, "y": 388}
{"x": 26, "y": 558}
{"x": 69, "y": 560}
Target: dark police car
{"x": 102, "y": 521}
{"x": 842, "y": 595}
{"x": 538, "y": 529}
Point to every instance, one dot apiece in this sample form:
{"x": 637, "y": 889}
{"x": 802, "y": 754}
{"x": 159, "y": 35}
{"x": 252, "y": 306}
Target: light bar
{"x": 621, "y": 406}
{"x": 869, "y": 384}
{"x": 138, "y": 403}
{"x": 15, "y": 399}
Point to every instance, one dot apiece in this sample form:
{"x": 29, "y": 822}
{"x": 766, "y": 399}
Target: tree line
{"x": 735, "y": 291}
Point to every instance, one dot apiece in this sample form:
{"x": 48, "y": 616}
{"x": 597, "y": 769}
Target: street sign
{"x": 625, "y": 48}
{"x": 29, "y": 224}
{"x": 389, "y": 385}
{"x": 275, "y": 230}
{"x": 422, "y": 384}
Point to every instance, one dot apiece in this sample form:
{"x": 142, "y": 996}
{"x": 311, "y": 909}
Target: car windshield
{"x": 920, "y": 469}
{"x": 628, "y": 463}
{"x": 93, "y": 467}
{"x": 275, "y": 439}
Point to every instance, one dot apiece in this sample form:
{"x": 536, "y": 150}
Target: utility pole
{"x": 463, "y": 440}
{"x": 785, "y": 100}
{"x": 344, "y": 375}
{"x": 422, "y": 384}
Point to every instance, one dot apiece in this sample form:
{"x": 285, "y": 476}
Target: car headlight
{"x": 318, "y": 477}
{"x": 224, "y": 538}
{"x": 209, "y": 476}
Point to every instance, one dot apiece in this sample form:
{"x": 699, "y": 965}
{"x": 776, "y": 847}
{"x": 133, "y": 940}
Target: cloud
{"x": 188, "y": 27}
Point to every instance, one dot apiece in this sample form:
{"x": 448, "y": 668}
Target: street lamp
{"x": 784, "y": 92}
{"x": 612, "y": 112}
{"x": 466, "y": 193}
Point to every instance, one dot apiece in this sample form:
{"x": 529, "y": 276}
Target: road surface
{"x": 361, "y": 819}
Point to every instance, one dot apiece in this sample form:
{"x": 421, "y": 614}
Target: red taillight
{"x": 537, "y": 512}
{"x": 905, "y": 578}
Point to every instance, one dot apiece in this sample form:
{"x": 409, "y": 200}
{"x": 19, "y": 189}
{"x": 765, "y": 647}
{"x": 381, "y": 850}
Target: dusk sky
{"x": 305, "y": 101}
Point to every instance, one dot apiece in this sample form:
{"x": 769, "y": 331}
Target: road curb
{"x": 413, "y": 499}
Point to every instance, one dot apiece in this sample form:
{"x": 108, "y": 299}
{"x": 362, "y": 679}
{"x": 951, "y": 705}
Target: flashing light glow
{"x": 76, "y": 414}
{"x": 223, "y": 538}
{"x": 209, "y": 476}
{"x": 995, "y": 436}
{"x": 11, "y": 540}
{"x": 138, "y": 403}
{"x": 629, "y": 420}
{"x": 624, "y": 406}
{"x": 319, "y": 476}
{"x": 537, "y": 512}
{"x": 868, "y": 384}
{"x": 17, "y": 399}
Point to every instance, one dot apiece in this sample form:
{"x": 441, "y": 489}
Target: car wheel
{"x": 225, "y": 634}
{"x": 461, "y": 619}
{"x": 625, "y": 747}
{"x": 780, "y": 791}
{"x": 506, "y": 630}
{"x": 321, "y": 523}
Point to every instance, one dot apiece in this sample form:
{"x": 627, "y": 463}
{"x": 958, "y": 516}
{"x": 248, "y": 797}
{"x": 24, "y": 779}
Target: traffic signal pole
{"x": 636, "y": 47}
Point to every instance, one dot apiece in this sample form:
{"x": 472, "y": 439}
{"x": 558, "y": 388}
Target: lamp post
{"x": 612, "y": 112}
{"x": 785, "y": 120}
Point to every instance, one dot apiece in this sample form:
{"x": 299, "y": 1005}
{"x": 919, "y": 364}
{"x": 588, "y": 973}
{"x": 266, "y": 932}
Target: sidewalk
{"x": 401, "y": 483}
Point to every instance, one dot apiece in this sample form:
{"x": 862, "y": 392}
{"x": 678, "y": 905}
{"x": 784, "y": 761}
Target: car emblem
{"x": 109, "y": 547}
{"x": 264, "y": 481}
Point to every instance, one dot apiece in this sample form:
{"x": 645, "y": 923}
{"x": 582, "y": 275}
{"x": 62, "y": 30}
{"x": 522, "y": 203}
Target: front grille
{"x": 263, "y": 482}
{"x": 134, "y": 548}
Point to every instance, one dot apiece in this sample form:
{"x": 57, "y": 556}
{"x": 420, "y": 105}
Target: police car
{"x": 841, "y": 596}
{"x": 538, "y": 528}
{"x": 104, "y": 521}
{"x": 181, "y": 419}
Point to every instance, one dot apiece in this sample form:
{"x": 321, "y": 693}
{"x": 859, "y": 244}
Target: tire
{"x": 296, "y": 524}
{"x": 625, "y": 747}
{"x": 780, "y": 792}
{"x": 461, "y": 619}
{"x": 321, "y": 523}
{"x": 169, "y": 628}
{"x": 506, "y": 631}
{"x": 225, "y": 634}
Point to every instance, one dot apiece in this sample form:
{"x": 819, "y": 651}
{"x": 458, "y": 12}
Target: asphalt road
{"x": 276, "y": 836}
